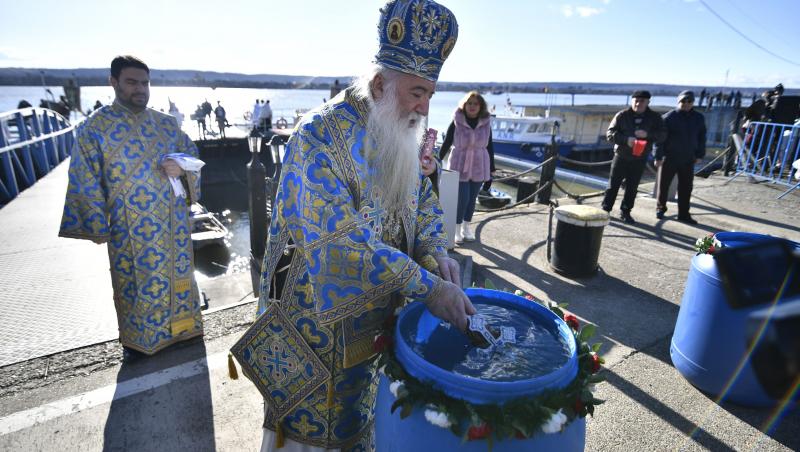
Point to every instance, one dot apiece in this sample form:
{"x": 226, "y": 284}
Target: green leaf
{"x": 596, "y": 378}
{"x": 587, "y": 331}
{"x": 596, "y": 347}
{"x": 396, "y": 404}
{"x": 406, "y": 411}
{"x": 557, "y": 311}
{"x": 489, "y": 284}
{"x": 563, "y": 305}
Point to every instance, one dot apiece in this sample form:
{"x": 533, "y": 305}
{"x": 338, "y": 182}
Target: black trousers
{"x": 685, "y": 172}
{"x": 629, "y": 170}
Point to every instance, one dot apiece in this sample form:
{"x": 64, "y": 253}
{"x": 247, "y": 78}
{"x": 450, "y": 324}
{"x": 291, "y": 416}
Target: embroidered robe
{"x": 118, "y": 194}
{"x": 350, "y": 265}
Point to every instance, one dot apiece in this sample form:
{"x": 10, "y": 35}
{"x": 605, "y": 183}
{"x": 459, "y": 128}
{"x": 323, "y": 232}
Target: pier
{"x": 63, "y": 386}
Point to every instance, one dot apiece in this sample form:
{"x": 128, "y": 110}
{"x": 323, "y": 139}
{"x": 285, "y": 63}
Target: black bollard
{"x": 548, "y": 169}
{"x": 257, "y": 209}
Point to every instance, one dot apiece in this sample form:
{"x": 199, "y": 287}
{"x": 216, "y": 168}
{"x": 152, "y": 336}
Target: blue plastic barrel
{"x": 415, "y": 433}
{"x": 709, "y": 342}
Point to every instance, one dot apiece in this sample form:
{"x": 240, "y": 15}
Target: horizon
{"x": 547, "y": 41}
{"x": 345, "y": 78}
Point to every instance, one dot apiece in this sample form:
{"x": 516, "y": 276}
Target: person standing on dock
{"x": 470, "y": 135}
{"x": 364, "y": 232}
{"x": 684, "y": 147}
{"x": 219, "y": 114}
{"x": 119, "y": 193}
{"x": 633, "y": 132}
{"x": 265, "y": 117}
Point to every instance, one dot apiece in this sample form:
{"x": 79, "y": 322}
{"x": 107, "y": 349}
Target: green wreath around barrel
{"x": 547, "y": 412}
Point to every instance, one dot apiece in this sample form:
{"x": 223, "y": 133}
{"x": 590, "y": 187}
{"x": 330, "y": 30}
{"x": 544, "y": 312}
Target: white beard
{"x": 393, "y": 147}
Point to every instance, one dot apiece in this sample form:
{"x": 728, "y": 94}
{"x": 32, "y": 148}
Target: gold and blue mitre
{"x": 416, "y": 36}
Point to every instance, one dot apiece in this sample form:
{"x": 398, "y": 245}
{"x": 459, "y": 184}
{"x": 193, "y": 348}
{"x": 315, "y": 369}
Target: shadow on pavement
{"x": 174, "y": 412}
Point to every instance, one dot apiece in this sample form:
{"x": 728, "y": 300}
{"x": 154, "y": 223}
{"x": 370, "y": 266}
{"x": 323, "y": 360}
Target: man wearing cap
{"x": 633, "y": 132}
{"x": 357, "y": 231}
{"x": 685, "y": 145}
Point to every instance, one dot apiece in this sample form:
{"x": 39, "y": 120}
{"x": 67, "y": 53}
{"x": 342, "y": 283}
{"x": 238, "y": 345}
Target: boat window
{"x": 533, "y": 128}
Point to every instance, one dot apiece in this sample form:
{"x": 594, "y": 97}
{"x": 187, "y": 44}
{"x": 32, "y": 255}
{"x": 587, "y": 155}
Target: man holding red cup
{"x": 633, "y": 132}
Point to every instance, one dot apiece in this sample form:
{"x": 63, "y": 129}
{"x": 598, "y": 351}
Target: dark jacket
{"x": 624, "y": 125}
{"x": 686, "y": 137}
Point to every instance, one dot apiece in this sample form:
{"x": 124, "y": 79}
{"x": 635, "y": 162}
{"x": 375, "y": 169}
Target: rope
{"x": 515, "y": 176}
{"x": 722, "y": 154}
{"x": 577, "y": 162}
{"x": 577, "y": 197}
{"x": 522, "y": 201}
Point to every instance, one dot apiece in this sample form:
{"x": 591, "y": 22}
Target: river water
{"x": 285, "y": 102}
{"x": 233, "y": 258}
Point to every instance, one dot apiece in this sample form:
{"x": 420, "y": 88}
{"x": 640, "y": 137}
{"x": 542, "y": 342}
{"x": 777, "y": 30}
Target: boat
{"x": 527, "y": 137}
{"x": 206, "y": 227}
{"x": 493, "y": 198}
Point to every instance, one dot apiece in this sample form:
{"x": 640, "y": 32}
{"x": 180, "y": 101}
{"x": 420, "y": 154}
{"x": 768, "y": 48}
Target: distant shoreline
{"x": 190, "y": 78}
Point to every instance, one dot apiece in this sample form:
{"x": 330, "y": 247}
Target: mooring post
{"x": 548, "y": 169}
{"x": 257, "y": 209}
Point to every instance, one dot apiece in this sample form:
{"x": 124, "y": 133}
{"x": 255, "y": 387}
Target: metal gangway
{"x": 768, "y": 152}
{"x": 33, "y": 141}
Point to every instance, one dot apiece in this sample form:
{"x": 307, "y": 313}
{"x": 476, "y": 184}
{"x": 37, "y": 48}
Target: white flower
{"x": 395, "y": 386}
{"x": 398, "y": 310}
{"x": 437, "y": 418}
{"x": 554, "y": 424}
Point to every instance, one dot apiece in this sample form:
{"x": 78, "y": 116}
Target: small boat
{"x": 527, "y": 137}
{"x": 493, "y": 198}
{"x": 206, "y": 227}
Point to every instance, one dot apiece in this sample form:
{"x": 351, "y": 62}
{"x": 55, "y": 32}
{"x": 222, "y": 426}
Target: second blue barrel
{"x": 710, "y": 345}
{"x": 415, "y": 433}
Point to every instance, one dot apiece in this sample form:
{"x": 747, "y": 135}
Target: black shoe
{"x": 130, "y": 355}
{"x": 660, "y": 214}
{"x": 687, "y": 219}
{"x": 627, "y": 218}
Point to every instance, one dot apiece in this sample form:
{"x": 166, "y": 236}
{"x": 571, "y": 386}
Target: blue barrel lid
{"x": 705, "y": 264}
{"x": 481, "y": 391}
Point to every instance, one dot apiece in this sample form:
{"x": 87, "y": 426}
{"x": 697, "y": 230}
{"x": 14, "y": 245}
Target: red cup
{"x": 638, "y": 147}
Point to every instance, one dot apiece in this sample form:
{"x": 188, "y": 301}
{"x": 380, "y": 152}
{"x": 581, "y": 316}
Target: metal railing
{"x": 768, "y": 152}
{"x": 33, "y": 141}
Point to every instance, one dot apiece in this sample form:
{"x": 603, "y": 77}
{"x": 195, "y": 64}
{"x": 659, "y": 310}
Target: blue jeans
{"x": 467, "y": 195}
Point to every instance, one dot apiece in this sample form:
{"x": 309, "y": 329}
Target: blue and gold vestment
{"x": 352, "y": 264}
{"x": 118, "y": 194}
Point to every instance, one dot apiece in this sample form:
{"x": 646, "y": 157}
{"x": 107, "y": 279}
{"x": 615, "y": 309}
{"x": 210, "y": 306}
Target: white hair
{"x": 392, "y": 147}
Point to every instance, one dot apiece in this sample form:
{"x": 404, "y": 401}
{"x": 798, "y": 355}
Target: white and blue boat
{"x": 526, "y": 137}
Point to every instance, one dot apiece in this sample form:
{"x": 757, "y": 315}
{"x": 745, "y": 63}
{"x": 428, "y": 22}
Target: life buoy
{"x": 282, "y": 123}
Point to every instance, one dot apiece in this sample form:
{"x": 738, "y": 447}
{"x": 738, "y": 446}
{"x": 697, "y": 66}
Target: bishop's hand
{"x": 452, "y": 305}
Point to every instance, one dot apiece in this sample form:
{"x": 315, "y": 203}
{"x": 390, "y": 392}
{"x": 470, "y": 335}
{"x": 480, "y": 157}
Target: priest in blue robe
{"x": 356, "y": 232}
{"x": 119, "y": 193}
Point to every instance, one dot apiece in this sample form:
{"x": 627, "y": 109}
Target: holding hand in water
{"x": 452, "y": 305}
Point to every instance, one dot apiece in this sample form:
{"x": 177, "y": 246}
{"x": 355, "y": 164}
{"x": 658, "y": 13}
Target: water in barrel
{"x": 536, "y": 350}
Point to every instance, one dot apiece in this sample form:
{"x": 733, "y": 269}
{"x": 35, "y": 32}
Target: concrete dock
{"x": 73, "y": 392}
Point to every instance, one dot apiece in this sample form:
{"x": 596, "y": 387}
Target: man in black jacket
{"x": 685, "y": 145}
{"x": 633, "y": 132}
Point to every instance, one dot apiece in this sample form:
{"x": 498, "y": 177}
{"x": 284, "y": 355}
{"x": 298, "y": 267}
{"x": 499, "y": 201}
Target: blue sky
{"x": 615, "y": 41}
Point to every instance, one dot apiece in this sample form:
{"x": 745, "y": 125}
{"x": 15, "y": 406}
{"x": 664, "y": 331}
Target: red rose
{"x": 595, "y": 363}
{"x": 519, "y": 435}
{"x": 711, "y": 249}
{"x": 578, "y": 406}
{"x": 479, "y": 431}
{"x": 382, "y": 343}
{"x": 572, "y": 321}
{"x": 529, "y": 297}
